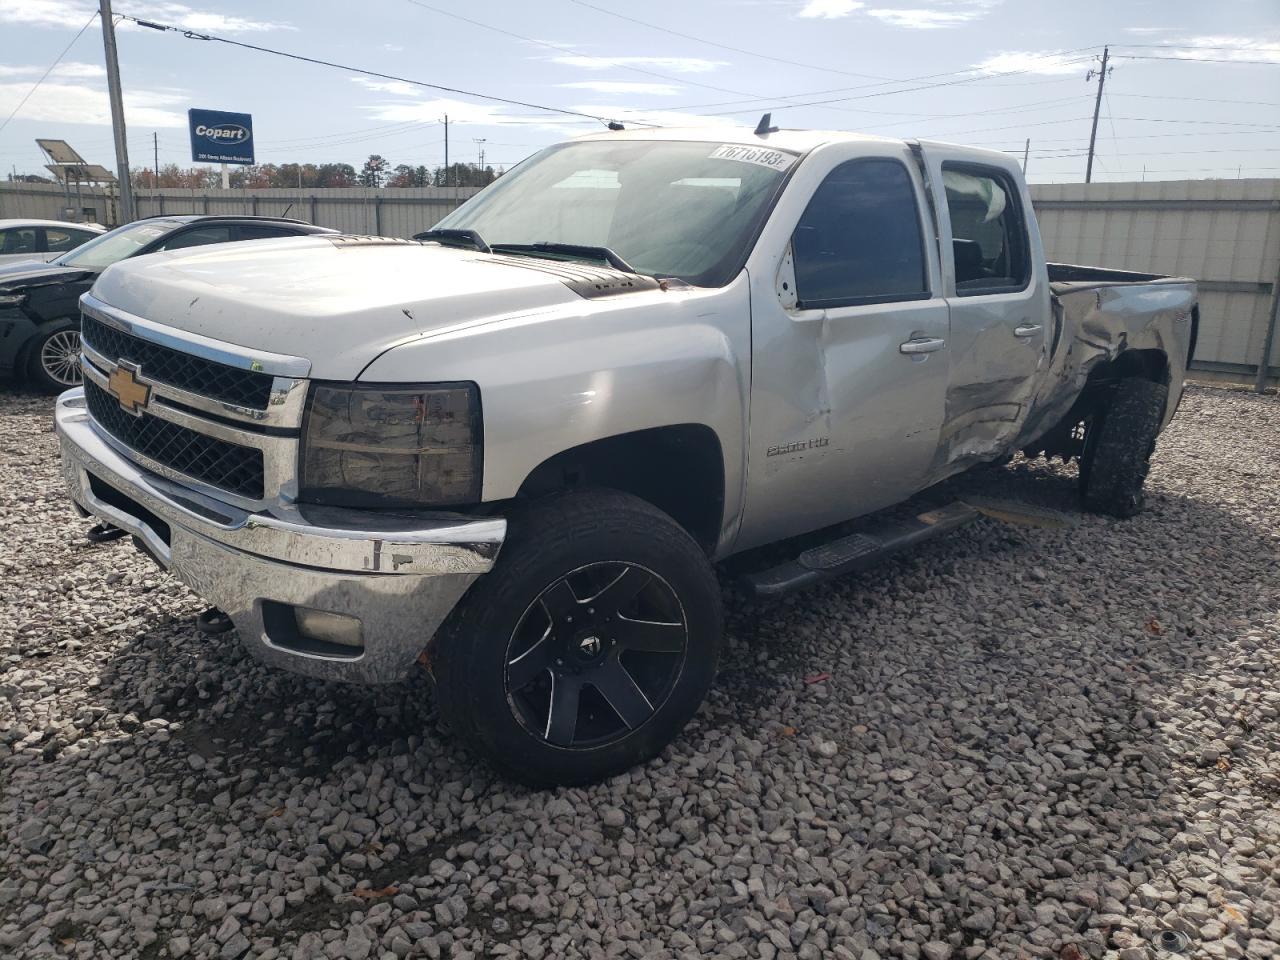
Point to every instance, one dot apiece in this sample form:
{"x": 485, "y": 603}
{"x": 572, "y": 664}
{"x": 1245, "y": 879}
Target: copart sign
{"x": 220, "y": 137}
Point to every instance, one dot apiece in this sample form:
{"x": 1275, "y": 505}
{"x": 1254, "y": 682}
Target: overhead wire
{"x": 44, "y": 76}
{"x": 196, "y": 35}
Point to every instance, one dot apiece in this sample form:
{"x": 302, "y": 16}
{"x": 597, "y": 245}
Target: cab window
{"x": 988, "y": 232}
{"x": 198, "y": 237}
{"x": 860, "y": 240}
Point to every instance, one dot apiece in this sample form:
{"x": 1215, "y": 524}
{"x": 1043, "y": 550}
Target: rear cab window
{"x": 988, "y": 230}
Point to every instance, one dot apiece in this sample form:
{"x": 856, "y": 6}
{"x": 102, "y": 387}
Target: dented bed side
{"x": 1096, "y": 318}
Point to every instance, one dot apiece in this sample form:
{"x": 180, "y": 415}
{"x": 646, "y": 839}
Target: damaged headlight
{"x": 392, "y": 445}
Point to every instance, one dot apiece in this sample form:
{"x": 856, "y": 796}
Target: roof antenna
{"x": 763, "y": 127}
{"x": 615, "y": 125}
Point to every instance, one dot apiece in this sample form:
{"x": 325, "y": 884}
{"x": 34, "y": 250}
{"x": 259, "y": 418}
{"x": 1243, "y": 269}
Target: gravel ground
{"x": 1049, "y": 743}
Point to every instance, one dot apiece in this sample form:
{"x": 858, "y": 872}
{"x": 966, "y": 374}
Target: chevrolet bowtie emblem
{"x": 124, "y": 385}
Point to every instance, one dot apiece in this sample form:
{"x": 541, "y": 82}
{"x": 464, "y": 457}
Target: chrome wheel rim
{"x": 595, "y": 655}
{"x": 60, "y": 358}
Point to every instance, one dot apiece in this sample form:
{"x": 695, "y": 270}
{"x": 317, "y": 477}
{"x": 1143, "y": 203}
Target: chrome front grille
{"x": 245, "y": 388}
{"x": 218, "y": 463}
{"x": 222, "y": 419}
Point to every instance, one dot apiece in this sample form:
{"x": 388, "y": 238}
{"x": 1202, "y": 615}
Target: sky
{"x": 1193, "y": 92}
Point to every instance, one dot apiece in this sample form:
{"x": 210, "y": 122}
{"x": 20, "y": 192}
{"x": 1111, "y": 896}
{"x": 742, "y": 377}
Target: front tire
{"x": 1118, "y": 444}
{"x": 588, "y": 647}
{"x": 53, "y": 360}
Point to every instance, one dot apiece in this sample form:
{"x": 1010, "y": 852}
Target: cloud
{"x": 944, "y": 13}
{"x": 926, "y": 19}
{"x": 397, "y": 87}
{"x": 78, "y": 71}
{"x": 63, "y": 71}
{"x": 56, "y": 102}
{"x": 74, "y": 13}
{"x": 1049, "y": 64}
{"x": 830, "y": 9}
{"x": 676, "y": 64}
{"x": 393, "y": 47}
{"x": 624, "y": 86}
{"x": 463, "y": 112}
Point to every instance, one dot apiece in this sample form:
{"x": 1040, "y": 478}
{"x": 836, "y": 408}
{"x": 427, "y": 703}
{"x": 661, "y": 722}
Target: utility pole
{"x": 480, "y": 142}
{"x": 1026, "y": 155}
{"x": 155, "y": 169}
{"x": 1097, "y": 106}
{"x": 117, "y": 110}
{"x": 446, "y": 150}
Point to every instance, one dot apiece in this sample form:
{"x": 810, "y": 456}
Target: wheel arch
{"x": 677, "y": 468}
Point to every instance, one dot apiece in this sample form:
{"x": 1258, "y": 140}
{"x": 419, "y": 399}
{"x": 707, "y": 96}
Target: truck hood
{"x": 337, "y": 301}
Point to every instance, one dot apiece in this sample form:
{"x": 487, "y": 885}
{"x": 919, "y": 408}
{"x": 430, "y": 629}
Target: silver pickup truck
{"x": 513, "y": 450}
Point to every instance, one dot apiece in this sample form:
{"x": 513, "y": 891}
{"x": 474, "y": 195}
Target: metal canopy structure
{"x": 68, "y": 167}
{"x": 85, "y": 173}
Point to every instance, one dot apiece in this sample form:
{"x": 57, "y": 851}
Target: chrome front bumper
{"x": 399, "y": 576}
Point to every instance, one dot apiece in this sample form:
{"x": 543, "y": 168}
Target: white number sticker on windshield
{"x": 773, "y": 159}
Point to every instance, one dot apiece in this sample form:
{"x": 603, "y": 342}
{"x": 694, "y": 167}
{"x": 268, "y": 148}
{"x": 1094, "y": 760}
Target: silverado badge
{"x": 124, "y": 385}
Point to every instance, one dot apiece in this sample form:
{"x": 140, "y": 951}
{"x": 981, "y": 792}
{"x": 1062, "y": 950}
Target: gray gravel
{"x": 1049, "y": 743}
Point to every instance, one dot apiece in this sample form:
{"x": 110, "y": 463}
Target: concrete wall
{"x": 1224, "y": 233}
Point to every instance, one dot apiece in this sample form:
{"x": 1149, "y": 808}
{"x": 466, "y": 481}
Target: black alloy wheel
{"x": 588, "y": 646}
{"x": 595, "y": 655}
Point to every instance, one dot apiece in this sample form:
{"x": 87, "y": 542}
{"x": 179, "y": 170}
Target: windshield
{"x": 668, "y": 208}
{"x": 100, "y": 252}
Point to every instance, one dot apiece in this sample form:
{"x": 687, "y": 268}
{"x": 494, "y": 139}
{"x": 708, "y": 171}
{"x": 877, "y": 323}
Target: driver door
{"x": 849, "y": 345}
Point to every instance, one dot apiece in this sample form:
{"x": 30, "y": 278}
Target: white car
{"x": 42, "y": 239}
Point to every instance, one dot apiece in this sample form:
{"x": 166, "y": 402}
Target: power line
{"x": 980, "y": 78}
{"x": 654, "y": 73}
{"x": 1137, "y": 56}
{"x": 1165, "y": 96}
{"x": 44, "y": 76}
{"x": 884, "y": 93}
{"x": 193, "y": 35}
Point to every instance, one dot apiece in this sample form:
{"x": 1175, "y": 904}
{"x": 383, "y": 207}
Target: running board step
{"x": 857, "y": 551}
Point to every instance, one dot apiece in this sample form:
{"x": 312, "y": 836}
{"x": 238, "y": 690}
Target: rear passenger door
{"x": 999, "y": 303}
{"x": 849, "y": 345}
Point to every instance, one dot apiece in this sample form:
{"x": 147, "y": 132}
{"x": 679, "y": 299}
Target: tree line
{"x": 376, "y": 172}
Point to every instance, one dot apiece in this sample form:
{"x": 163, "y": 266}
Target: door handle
{"x": 921, "y": 345}
{"x": 1026, "y": 329}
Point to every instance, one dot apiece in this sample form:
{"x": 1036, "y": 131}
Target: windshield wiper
{"x": 447, "y": 235}
{"x": 580, "y": 250}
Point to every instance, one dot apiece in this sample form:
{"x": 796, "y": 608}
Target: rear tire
{"x": 53, "y": 359}
{"x": 588, "y": 647}
{"x": 1118, "y": 444}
